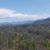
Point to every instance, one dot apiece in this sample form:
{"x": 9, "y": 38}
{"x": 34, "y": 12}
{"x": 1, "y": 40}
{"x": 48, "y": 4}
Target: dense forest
{"x": 25, "y": 37}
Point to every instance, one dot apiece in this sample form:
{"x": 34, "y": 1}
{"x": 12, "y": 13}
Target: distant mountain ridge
{"x": 43, "y": 21}
{"x": 16, "y": 22}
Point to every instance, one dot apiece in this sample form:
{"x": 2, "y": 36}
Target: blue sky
{"x": 34, "y": 9}
{"x": 27, "y": 6}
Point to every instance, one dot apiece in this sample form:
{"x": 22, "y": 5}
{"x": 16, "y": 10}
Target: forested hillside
{"x": 25, "y": 37}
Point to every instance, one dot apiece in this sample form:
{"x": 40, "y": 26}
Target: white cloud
{"x": 7, "y": 13}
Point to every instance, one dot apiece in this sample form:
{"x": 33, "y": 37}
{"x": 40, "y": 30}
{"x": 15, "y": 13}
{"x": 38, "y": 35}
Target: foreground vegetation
{"x": 26, "y": 37}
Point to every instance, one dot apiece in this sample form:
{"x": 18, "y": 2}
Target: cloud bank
{"x": 8, "y": 13}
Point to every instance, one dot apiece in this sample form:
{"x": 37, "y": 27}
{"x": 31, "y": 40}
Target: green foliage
{"x": 26, "y": 37}
{"x": 32, "y": 45}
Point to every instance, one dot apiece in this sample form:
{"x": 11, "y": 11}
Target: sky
{"x": 24, "y": 9}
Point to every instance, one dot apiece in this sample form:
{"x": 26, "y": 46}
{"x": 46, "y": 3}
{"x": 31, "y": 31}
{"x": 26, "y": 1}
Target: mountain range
{"x": 14, "y": 21}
